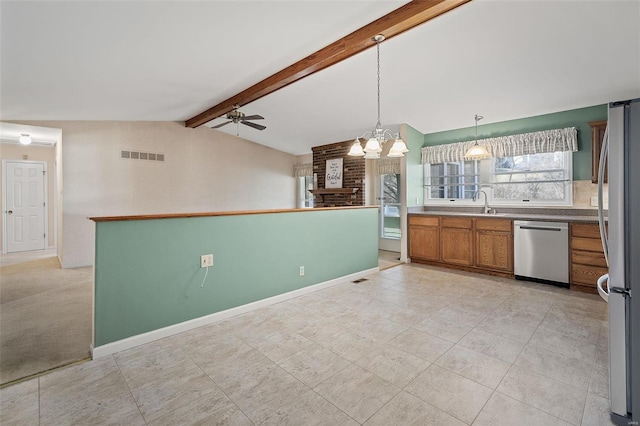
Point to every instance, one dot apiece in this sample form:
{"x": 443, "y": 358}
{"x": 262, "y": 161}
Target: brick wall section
{"x": 352, "y": 174}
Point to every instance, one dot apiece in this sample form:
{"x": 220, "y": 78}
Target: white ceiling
{"x": 153, "y": 60}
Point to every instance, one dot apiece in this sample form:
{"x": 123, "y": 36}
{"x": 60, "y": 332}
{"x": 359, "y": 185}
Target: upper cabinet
{"x": 597, "y": 136}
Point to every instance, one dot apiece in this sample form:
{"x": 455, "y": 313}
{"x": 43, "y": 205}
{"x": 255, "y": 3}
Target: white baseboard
{"x": 161, "y": 333}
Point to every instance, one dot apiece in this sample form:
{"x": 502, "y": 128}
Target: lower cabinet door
{"x": 424, "y": 242}
{"x": 494, "y": 250}
{"x": 457, "y": 246}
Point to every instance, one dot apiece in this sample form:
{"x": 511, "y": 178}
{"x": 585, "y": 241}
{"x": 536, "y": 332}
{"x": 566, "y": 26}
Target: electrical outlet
{"x": 206, "y": 260}
{"x": 302, "y": 271}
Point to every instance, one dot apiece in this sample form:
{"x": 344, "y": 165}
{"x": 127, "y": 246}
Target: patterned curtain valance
{"x": 302, "y": 170}
{"x": 506, "y": 146}
{"x": 388, "y": 166}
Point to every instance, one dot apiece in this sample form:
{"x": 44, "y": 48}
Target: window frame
{"x": 447, "y": 200}
{"x": 568, "y": 190}
{"x": 486, "y": 174}
{"x": 303, "y": 201}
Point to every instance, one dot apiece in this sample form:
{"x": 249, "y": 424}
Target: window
{"x": 451, "y": 181}
{"x": 534, "y": 179}
{"x": 305, "y": 183}
{"x": 544, "y": 178}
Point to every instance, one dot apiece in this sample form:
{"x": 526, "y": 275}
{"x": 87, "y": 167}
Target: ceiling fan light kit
{"x": 378, "y": 136}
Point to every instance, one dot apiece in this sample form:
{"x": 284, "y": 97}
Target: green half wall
{"x": 148, "y": 275}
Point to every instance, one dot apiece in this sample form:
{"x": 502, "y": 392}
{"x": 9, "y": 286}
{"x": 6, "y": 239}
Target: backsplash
{"x": 584, "y": 190}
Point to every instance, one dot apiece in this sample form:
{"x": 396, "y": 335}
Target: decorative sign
{"x": 333, "y": 176}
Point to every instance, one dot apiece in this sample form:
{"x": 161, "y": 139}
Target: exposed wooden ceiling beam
{"x": 400, "y": 20}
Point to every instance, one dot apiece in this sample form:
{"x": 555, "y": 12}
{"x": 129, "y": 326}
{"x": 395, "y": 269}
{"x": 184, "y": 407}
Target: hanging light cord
{"x": 478, "y": 118}
{"x": 378, "y": 60}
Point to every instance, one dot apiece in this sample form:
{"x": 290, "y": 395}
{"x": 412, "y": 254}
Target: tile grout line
{"x": 129, "y": 387}
{"x": 39, "y": 403}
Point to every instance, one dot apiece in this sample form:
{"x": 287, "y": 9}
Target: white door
{"x": 25, "y": 206}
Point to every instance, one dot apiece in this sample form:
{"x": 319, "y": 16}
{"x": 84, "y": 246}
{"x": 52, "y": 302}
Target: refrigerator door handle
{"x": 604, "y": 154}
{"x": 601, "y": 291}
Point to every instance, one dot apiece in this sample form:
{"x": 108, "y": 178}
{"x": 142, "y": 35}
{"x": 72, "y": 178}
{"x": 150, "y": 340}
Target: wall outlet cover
{"x": 206, "y": 260}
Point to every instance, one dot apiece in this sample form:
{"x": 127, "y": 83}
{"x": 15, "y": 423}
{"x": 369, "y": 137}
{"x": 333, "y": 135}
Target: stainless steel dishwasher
{"x": 541, "y": 251}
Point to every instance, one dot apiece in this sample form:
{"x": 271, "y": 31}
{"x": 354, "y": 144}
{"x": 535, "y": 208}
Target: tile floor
{"x": 411, "y": 345}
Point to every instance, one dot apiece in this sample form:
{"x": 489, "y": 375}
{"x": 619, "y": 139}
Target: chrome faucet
{"x": 476, "y": 195}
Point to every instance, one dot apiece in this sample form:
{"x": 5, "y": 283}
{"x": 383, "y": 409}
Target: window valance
{"x": 302, "y": 170}
{"x": 388, "y": 166}
{"x": 506, "y": 146}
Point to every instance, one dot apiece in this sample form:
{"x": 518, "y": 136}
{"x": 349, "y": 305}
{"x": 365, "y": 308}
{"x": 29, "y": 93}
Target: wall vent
{"x": 140, "y": 155}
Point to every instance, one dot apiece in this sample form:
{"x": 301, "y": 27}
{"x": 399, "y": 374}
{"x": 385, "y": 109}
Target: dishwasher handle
{"x": 538, "y": 228}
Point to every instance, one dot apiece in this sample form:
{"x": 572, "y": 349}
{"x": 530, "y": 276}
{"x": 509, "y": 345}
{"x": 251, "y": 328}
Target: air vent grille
{"x": 140, "y": 155}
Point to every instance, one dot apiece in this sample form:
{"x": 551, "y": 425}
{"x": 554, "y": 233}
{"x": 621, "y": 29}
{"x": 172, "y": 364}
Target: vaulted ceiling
{"x": 152, "y": 60}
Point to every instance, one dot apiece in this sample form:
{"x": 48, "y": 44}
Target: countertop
{"x": 518, "y": 216}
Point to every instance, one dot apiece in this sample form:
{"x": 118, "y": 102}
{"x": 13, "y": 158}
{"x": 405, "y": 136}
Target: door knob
{"x": 10, "y": 211}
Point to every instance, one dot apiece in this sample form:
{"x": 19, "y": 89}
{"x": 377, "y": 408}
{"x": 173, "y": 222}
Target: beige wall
{"x": 34, "y": 153}
{"x": 204, "y": 170}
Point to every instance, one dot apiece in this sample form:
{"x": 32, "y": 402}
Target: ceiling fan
{"x": 236, "y": 116}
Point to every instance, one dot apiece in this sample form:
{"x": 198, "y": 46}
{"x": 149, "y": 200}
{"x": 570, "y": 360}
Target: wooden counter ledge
{"x": 229, "y": 213}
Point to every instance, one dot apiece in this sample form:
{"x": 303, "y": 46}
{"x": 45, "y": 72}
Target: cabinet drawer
{"x": 423, "y": 220}
{"x": 586, "y": 275}
{"x": 588, "y": 244}
{"x": 591, "y": 258}
{"x": 586, "y": 230}
{"x": 457, "y": 222}
{"x": 483, "y": 224}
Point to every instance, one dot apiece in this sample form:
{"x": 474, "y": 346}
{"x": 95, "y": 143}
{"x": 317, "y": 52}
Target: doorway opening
{"x": 389, "y": 195}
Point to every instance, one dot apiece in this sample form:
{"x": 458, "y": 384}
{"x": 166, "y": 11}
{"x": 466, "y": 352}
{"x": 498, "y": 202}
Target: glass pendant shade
{"x": 398, "y": 146}
{"x": 25, "y": 139}
{"x": 372, "y": 155}
{"x": 477, "y": 152}
{"x": 373, "y": 145}
{"x": 356, "y": 149}
{"x": 397, "y": 149}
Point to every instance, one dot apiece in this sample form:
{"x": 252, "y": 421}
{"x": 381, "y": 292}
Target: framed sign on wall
{"x": 333, "y": 174}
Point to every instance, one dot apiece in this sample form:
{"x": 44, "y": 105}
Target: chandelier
{"x": 378, "y": 136}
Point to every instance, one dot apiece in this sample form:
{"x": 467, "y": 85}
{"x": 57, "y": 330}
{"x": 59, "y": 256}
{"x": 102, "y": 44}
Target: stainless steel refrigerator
{"x": 621, "y": 286}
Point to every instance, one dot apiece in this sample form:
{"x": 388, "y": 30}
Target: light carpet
{"x": 45, "y": 317}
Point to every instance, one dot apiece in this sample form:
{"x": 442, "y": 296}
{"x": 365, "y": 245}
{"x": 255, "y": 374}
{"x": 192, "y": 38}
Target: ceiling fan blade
{"x": 254, "y": 125}
{"x": 253, "y": 117}
{"x": 220, "y": 125}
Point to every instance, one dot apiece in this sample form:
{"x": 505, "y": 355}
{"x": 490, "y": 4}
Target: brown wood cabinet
{"x": 494, "y": 244}
{"x": 473, "y": 244}
{"x": 424, "y": 238}
{"x": 587, "y": 262}
{"x": 597, "y": 136}
{"x": 457, "y": 240}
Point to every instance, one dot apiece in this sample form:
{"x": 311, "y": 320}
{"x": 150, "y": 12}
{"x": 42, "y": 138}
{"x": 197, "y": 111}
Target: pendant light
{"x": 378, "y": 136}
{"x": 477, "y": 152}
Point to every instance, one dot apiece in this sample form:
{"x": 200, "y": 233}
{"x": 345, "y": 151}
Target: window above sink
{"x": 543, "y": 179}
